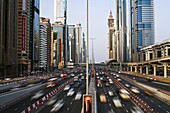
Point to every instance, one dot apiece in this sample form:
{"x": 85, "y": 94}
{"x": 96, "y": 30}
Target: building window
{"x": 169, "y": 52}
{"x": 158, "y": 54}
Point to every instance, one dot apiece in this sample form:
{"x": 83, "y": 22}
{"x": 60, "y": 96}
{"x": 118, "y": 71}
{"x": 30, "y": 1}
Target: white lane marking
{"x": 71, "y": 103}
{"x": 159, "y": 106}
{"x": 68, "y": 109}
{"x": 127, "y": 111}
{"x": 122, "y": 104}
{"x": 15, "y": 109}
{"x": 146, "y": 97}
{"x": 167, "y": 111}
{"x": 109, "y": 104}
{"x": 112, "y": 110}
{"x": 151, "y": 100}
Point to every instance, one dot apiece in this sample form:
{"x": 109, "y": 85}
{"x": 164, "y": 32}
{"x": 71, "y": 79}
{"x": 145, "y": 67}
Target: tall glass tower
{"x": 143, "y": 24}
{"x": 59, "y": 9}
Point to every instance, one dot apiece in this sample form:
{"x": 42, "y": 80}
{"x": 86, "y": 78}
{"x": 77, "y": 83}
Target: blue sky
{"x": 98, "y": 14}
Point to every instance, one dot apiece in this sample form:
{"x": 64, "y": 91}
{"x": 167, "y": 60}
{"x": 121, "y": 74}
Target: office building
{"x": 59, "y": 10}
{"x": 8, "y": 38}
{"x": 34, "y": 34}
{"x": 143, "y": 24}
{"x": 123, "y": 30}
{"x": 112, "y": 49}
{"x": 46, "y": 21}
{"x": 78, "y": 43}
{"x": 84, "y": 50}
{"x": 43, "y": 46}
{"x": 58, "y": 44}
{"x": 23, "y": 34}
{"x": 71, "y": 43}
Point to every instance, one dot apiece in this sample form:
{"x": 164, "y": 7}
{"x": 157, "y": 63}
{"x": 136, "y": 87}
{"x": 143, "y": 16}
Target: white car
{"x": 78, "y": 96}
{"x": 67, "y": 87}
{"x": 57, "y": 106}
{"x": 70, "y": 92}
{"x": 110, "y": 93}
{"x": 135, "y": 90}
{"x": 51, "y": 101}
{"x": 117, "y": 102}
{"x": 127, "y": 85}
{"x": 37, "y": 95}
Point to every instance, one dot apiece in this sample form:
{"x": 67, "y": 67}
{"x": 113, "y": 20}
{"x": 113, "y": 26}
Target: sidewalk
{"x": 158, "y": 78}
{"x": 92, "y": 91}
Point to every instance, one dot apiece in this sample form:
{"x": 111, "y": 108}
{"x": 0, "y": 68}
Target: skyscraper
{"x": 46, "y": 21}
{"x": 43, "y": 46}
{"x": 58, "y": 44}
{"x": 112, "y": 38}
{"x": 78, "y": 43}
{"x": 123, "y": 30}
{"x": 23, "y": 35}
{"x": 8, "y": 37}
{"x": 143, "y": 24}
{"x": 59, "y": 9}
{"x": 60, "y": 15}
{"x": 34, "y": 34}
{"x": 71, "y": 43}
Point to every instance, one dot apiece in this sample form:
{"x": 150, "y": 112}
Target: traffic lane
{"x": 73, "y": 106}
{"x": 8, "y": 85}
{"x": 155, "y": 84}
{"x": 6, "y": 98}
{"x": 127, "y": 104}
{"x": 153, "y": 102}
{"x": 69, "y": 104}
{"x": 20, "y": 88}
{"x": 24, "y": 103}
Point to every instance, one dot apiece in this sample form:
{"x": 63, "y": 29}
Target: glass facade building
{"x": 123, "y": 30}
{"x": 143, "y": 24}
{"x": 34, "y": 33}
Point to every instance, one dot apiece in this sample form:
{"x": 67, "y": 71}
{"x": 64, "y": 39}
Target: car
{"x": 118, "y": 79}
{"x": 107, "y": 84}
{"x": 51, "y": 101}
{"x": 67, "y": 87}
{"x": 117, "y": 102}
{"x": 37, "y": 95}
{"x": 99, "y": 85}
{"x": 149, "y": 93}
{"x": 70, "y": 92}
{"x": 78, "y": 96}
{"x": 135, "y": 90}
{"x": 110, "y": 93}
{"x": 127, "y": 85}
{"x": 135, "y": 109}
{"x": 102, "y": 98}
{"x": 57, "y": 106}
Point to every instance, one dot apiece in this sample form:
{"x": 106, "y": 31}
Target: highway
{"x": 70, "y": 104}
{"x": 109, "y": 106}
{"x": 153, "y": 102}
{"x": 144, "y": 102}
{"x": 24, "y": 103}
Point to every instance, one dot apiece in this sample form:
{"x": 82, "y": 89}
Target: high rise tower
{"x": 8, "y": 37}
{"x": 112, "y": 38}
{"x": 143, "y": 24}
{"x": 59, "y": 9}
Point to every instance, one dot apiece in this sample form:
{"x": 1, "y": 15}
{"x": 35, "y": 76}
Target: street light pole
{"x": 87, "y": 51}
